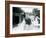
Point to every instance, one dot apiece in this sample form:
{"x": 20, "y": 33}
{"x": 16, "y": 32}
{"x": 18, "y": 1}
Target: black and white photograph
{"x": 25, "y": 18}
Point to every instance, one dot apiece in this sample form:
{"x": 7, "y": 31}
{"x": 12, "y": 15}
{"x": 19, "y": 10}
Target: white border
{"x": 34, "y": 6}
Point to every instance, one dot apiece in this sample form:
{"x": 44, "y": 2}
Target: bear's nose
{"x": 28, "y": 21}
